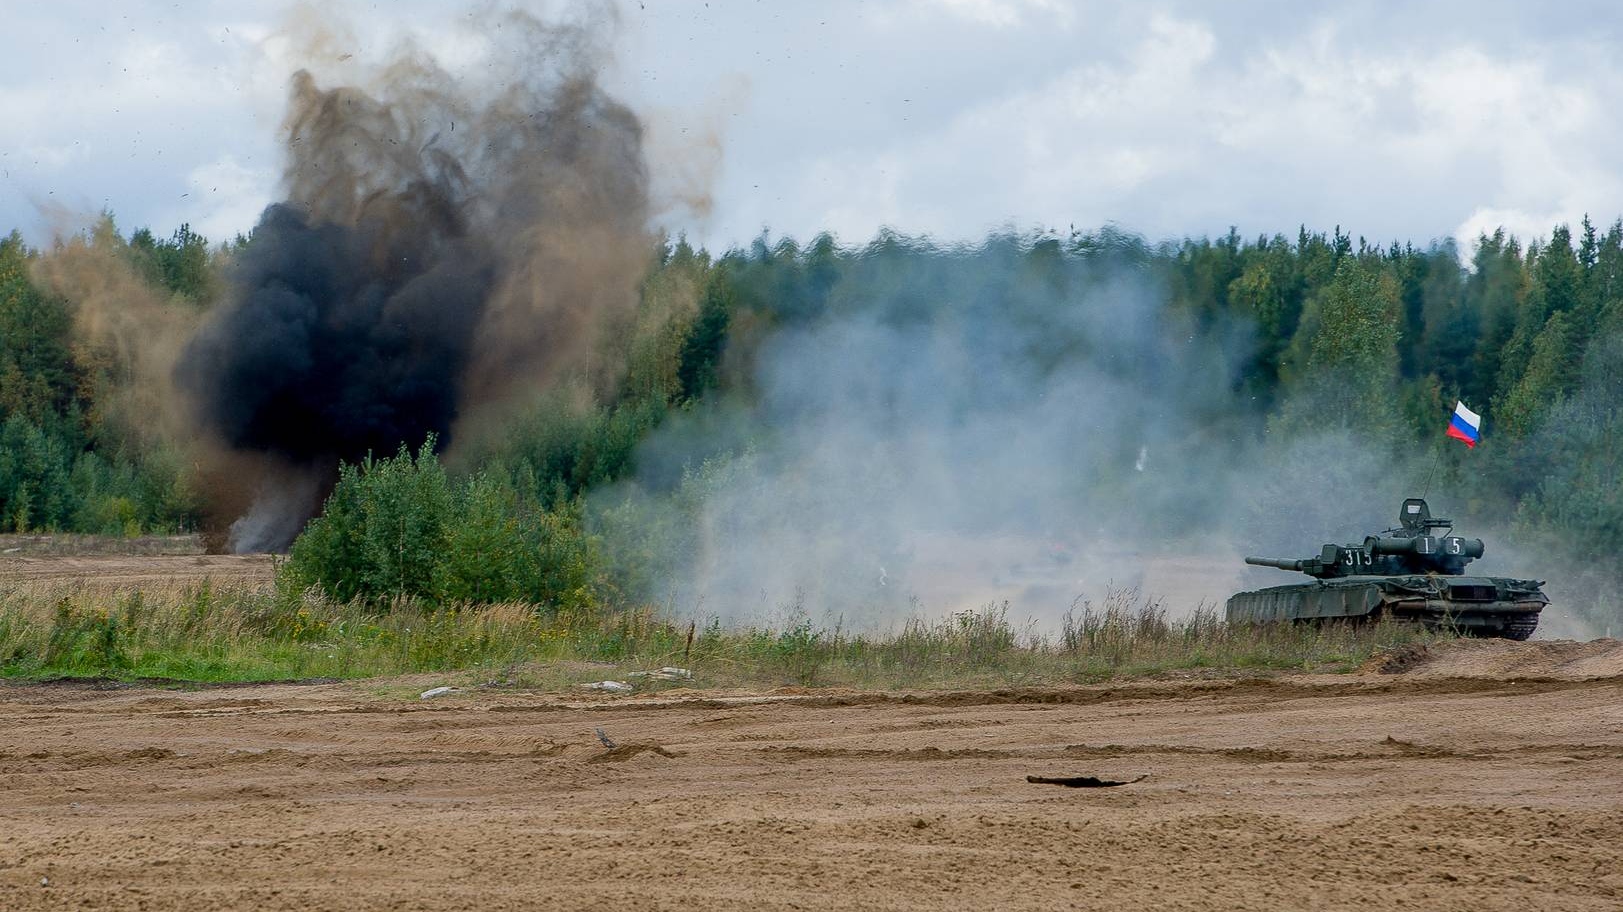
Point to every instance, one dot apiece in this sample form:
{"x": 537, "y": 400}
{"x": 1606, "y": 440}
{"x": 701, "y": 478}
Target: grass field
{"x": 200, "y": 631}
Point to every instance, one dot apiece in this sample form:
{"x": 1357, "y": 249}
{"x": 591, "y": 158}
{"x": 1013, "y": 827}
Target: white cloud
{"x": 864, "y": 199}
{"x": 1525, "y": 225}
{"x": 1000, "y": 13}
{"x": 939, "y": 116}
{"x": 1180, "y": 132}
{"x": 225, "y": 198}
{"x": 138, "y": 110}
{"x": 1054, "y": 153}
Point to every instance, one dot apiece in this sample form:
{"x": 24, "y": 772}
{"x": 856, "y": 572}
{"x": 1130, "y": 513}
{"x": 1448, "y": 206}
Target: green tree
{"x": 36, "y": 368}
{"x": 181, "y": 265}
{"x": 1566, "y": 469}
{"x": 1268, "y": 292}
{"x": 702, "y": 349}
{"x": 35, "y": 469}
{"x": 1554, "y": 287}
{"x": 1343, "y": 362}
{"x": 1450, "y": 328}
{"x": 1550, "y": 376}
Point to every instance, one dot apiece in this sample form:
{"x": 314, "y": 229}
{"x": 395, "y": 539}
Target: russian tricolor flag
{"x": 1466, "y": 425}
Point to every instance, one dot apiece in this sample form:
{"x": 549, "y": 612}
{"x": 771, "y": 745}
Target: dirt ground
{"x": 138, "y": 571}
{"x": 1483, "y": 776}
{"x": 123, "y": 562}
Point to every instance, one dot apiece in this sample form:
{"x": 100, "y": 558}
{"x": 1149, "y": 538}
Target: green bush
{"x": 400, "y": 528}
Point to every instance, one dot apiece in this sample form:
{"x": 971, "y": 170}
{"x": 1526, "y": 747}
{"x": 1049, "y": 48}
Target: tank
{"x": 1413, "y": 572}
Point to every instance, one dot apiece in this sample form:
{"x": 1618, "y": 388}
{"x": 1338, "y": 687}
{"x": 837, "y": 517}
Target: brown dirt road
{"x": 1455, "y": 785}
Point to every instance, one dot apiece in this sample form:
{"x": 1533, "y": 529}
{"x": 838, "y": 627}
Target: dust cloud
{"x": 447, "y": 244}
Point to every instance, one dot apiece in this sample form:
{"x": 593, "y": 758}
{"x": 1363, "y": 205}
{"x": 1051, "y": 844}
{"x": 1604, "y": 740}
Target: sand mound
{"x": 1555, "y": 659}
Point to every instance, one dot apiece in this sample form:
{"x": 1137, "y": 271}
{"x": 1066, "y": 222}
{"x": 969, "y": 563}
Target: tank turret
{"x": 1408, "y": 547}
{"x": 1413, "y": 570}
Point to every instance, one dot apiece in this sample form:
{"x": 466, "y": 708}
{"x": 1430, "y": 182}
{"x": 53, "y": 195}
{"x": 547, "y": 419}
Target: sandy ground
{"x": 134, "y": 569}
{"x": 1484, "y": 776}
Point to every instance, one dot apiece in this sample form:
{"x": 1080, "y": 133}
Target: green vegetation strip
{"x": 204, "y": 634}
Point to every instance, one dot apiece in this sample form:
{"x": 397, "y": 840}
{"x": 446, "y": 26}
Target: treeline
{"x": 1509, "y": 331}
{"x": 66, "y": 463}
{"x": 1319, "y": 331}
{"x": 1387, "y": 338}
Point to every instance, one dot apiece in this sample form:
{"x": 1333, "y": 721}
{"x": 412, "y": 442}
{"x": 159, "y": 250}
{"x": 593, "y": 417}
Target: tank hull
{"x": 1473, "y": 605}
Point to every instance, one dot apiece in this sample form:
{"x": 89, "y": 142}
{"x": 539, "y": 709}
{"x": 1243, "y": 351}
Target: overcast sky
{"x": 943, "y": 117}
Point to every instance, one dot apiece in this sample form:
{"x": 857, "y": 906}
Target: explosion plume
{"x": 445, "y": 246}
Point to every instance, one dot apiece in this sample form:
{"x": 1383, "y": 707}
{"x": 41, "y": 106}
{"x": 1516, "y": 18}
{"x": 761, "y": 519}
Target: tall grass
{"x": 202, "y": 633}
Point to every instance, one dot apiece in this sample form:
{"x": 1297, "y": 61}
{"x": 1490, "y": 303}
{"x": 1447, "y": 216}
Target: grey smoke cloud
{"x": 956, "y": 429}
{"x": 962, "y": 426}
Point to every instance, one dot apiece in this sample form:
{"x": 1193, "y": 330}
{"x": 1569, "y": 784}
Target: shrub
{"x": 400, "y": 528}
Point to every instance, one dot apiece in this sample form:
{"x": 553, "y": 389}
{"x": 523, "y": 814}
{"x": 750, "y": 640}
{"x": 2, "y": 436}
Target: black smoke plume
{"x": 347, "y": 340}
{"x": 446, "y": 246}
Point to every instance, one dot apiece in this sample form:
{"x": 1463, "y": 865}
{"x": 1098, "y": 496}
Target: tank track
{"x": 1520, "y": 627}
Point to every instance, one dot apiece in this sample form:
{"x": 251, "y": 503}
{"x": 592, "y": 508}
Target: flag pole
{"x": 1468, "y": 429}
{"x": 1426, "y": 488}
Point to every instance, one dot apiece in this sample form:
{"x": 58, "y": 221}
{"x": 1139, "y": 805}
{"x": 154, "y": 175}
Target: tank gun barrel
{"x": 1276, "y": 563}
